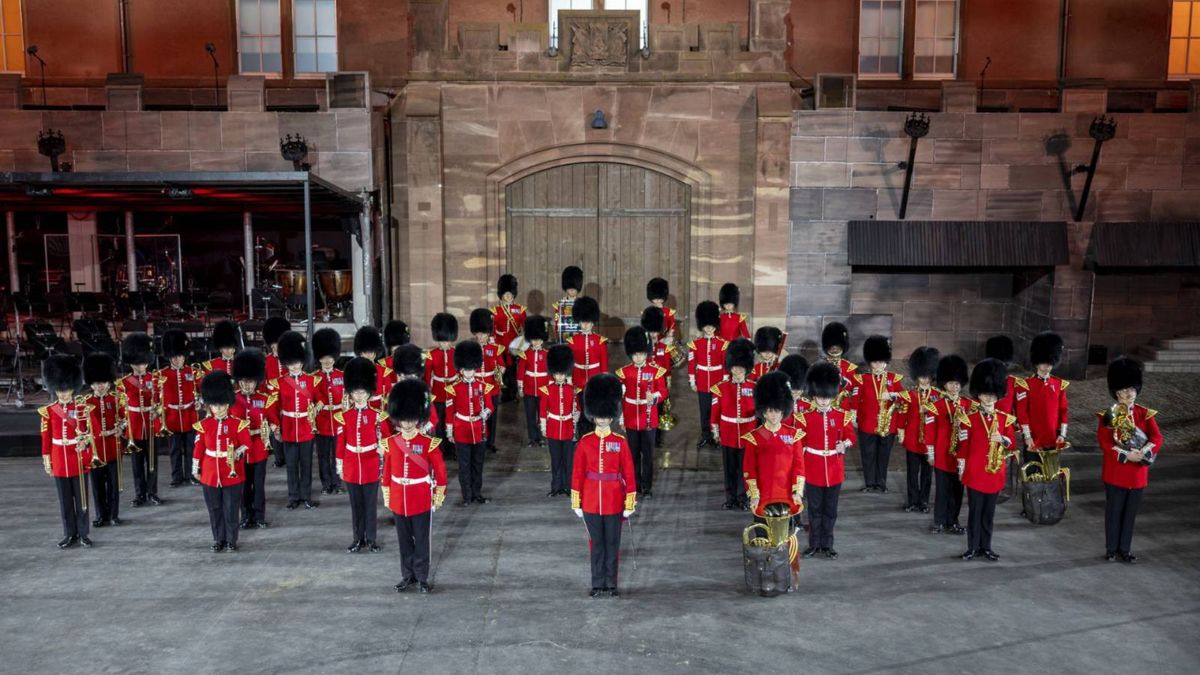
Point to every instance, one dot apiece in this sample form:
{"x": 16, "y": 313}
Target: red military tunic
{"x": 820, "y": 433}
{"x": 591, "y": 357}
{"x": 254, "y": 409}
{"x": 384, "y": 379}
{"x": 733, "y": 412}
{"x": 330, "y": 392}
{"x": 215, "y": 439}
{"x": 219, "y": 363}
{"x": 274, "y": 368}
{"x": 468, "y": 406}
{"x": 847, "y": 369}
{"x": 917, "y": 417}
{"x": 1044, "y": 410}
{"x": 556, "y": 408}
{"x": 865, "y": 400}
{"x": 1017, "y": 391}
{"x": 660, "y": 355}
{"x": 62, "y": 424}
{"x": 639, "y": 406}
{"x": 706, "y": 361}
{"x": 493, "y": 359}
{"x": 439, "y": 372}
{"x": 670, "y": 322}
{"x": 102, "y": 420}
{"x": 294, "y": 406}
{"x": 762, "y": 368}
{"x": 602, "y": 479}
{"x": 358, "y": 452}
{"x": 414, "y": 474}
{"x": 508, "y": 321}
{"x": 136, "y": 401}
{"x": 773, "y": 466}
{"x": 977, "y": 429}
{"x": 945, "y": 435}
{"x": 1129, "y": 475}
{"x": 732, "y": 326}
{"x": 178, "y": 388}
{"x": 531, "y": 371}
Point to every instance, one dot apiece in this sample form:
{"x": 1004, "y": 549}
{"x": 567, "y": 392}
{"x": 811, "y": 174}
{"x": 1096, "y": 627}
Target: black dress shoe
{"x": 67, "y": 542}
{"x": 480, "y": 499}
{"x": 831, "y": 554}
{"x": 116, "y": 521}
{"x": 292, "y": 505}
{"x": 217, "y": 546}
{"x": 881, "y": 488}
{"x": 139, "y": 502}
{"x": 231, "y": 547}
{"x": 990, "y": 555}
{"x": 1129, "y": 558}
{"x": 867, "y": 488}
{"x": 614, "y": 593}
{"x": 424, "y": 587}
{"x": 99, "y": 522}
{"x": 465, "y": 502}
{"x": 175, "y": 483}
{"x": 923, "y": 508}
{"x": 373, "y": 547}
{"x": 326, "y": 491}
{"x": 910, "y": 508}
{"x": 87, "y": 543}
{"x": 194, "y": 481}
{"x": 729, "y": 504}
{"x": 594, "y": 592}
{"x": 311, "y": 504}
{"x": 262, "y": 524}
{"x": 957, "y": 529}
{"x": 553, "y": 493}
{"x": 245, "y": 524}
{"x": 355, "y": 547}
{"x": 153, "y": 499}
{"x": 404, "y": 584}
{"x": 809, "y": 552}
{"x": 937, "y": 529}
{"x": 648, "y": 494}
{"x": 492, "y": 449}
{"x": 704, "y": 440}
{"x": 969, "y": 555}
{"x": 1109, "y": 557}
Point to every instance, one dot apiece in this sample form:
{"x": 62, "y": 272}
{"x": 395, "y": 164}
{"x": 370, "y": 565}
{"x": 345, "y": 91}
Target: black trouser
{"x": 277, "y": 450}
{"x": 509, "y": 380}
{"x": 363, "y": 501}
{"x": 981, "y": 510}
{"x": 105, "y": 490}
{"x": 254, "y": 494}
{"x": 470, "y": 469}
{"x": 562, "y": 455}
{"x": 325, "y": 465}
{"x": 641, "y": 445}
{"x": 584, "y": 426}
{"x": 876, "y": 451}
{"x": 920, "y": 475}
{"x": 414, "y": 534}
{"x": 605, "y": 532}
{"x": 299, "y": 470}
{"x": 490, "y": 423}
{"x": 822, "y": 504}
{"x": 145, "y": 481}
{"x": 660, "y": 434}
{"x": 1120, "y": 509}
{"x": 532, "y": 419}
{"x": 448, "y": 448}
{"x": 949, "y": 498}
{"x": 70, "y": 505}
{"x": 705, "y": 399}
{"x": 731, "y": 463}
{"x": 182, "y": 443}
{"x": 224, "y": 508}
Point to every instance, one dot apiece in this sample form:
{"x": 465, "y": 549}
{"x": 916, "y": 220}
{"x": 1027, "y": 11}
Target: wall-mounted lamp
{"x": 295, "y": 150}
{"x": 598, "y": 121}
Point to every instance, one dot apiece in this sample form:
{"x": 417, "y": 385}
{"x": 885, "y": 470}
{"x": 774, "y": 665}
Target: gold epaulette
{"x": 271, "y": 399}
{"x": 544, "y": 390}
{"x": 449, "y": 389}
{"x": 243, "y": 426}
{"x": 1020, "y": 382}
{"x": 426, "y": 353}
{"x": 487, "y": 388}
{"x": 716, "y": 390}
{"x": 434, "y": 443}
{"x": 499, "y": 350}
{"x": 898, "y": 377}
{"x": 1009, "y": 420}
{"x": 852, "y": 367}
{"x": 691, "y": 344}
{"x": 661, "y": 372}
{"x": 381, "y": 416}
{"x": 198, "y": 427}
{"x": 316, "y": 380}
{"x": 1149, "y": 413}
{"x": 749, "y": 438}
{"x": 801, "y": 419}
{"x": 602, "y": 339}
{"x": 44, "y": 411}
{"x": 1065, "y": 384}
{"x": 337, "y": 417}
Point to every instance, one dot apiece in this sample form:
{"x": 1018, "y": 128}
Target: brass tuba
{"x": 667, "y": 420}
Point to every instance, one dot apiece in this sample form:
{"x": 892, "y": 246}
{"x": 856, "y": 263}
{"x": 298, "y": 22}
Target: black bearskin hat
{"x": 877, "y": 348}
{"x": 250, "y": 364}
{"x": 657, "y": 289}
{"x": 953, "y": 368}
{"x": 729, "y": 294}
{"x": 990, "y": 376}
{"x": 444, "y": 327}
{"x": 535, "y": 328}
{"x": 60, "y": 372}
{"x": 468, "y": 355}
{"x": 773, "y": 391}
{"x": 923, "y": 362}
{"x": 174, "y": 343}
{"x": 1046, "y": 348}
{"x": 409, "y": 401}
{"x": 99, "y": 367}
{"x": 481, "y": 321}
{"x": 740, "y": 352}
{"x": 360, "y": 373}
{"x": 602, "y": 397}
{"x": 999, "y": 347}
{"x": 217, "y": 388}
{"x": 327, "y": 342}
{"x": 823, "y": 381}
{"x": 653, "y": 320}
{"x": 835, "y": 335}
{"x": 292, "y": 348}
{"x": 274, "y": 327}
{"x": 137, "y": 349}
{"x": 768, "y": 339}
{"x": 368, "y": 339}
{"x": 506, "y": 284}
{"x": 636, "y": 340}
{"x": 560, "y": 359}
{"x": 796, "y": 368}
{"x": 408, "y": 360}
{"x": 1124, "y": 373}
{"x": 708, "y": 314}
{"x": 226, "y": 334}
{"x": 572, "y": 277}
{"x": 586, "y": 309}
{"x": 395, "y": 333}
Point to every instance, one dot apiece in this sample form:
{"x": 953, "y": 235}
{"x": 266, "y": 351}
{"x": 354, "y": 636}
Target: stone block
{"x": 1156, "y": 177}
{"x": 948, "y": 151}
{"x": 821, "y": 123}
{"x": 820, "y": 174}
{"x": 807, "y": 149}
{"x": 1175, "y": 205}
{"x": 246, "y": 93}
{"x": 850, "y": 204}
{"x": 820, "y": 237}
{"x": 991, "y": 125}
{"x": 955, "y": 204}
{"x": 805, "y": 203}
{"x": 960, "y": 97}
{"x": 819, "y": 299}
{"x": 1013, "y": 205}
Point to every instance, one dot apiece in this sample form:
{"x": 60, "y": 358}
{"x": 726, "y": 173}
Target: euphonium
{"x": 667, "y": 420}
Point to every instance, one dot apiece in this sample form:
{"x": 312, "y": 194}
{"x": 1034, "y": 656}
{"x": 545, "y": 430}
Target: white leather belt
{"x": 587, "y": 366}
{"x": 59, "y": 441}
{"x": 410, "y": 481}
{"x": 709, "y": 368}
{"x": 638, "y": 401}
{"x": 736, "y": 420}
{"x": 297, "y": 415}
{"x": 559, "y": 418}
{"x": 469, "y": 418}
{"x": 359, "y": 449}
{"x": 438, "y": 378}
{"x": 822, "y": 453}
{"x": 214, "y": 453}
{"x": 136, "y": 409}
{"x": 529, "y": 374}
{"x": 180, "y": 406}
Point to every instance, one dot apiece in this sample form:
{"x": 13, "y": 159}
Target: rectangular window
{"x": 555, "y": 6}
{"x": 12, "y": 39}
{"x": 1184, "y": 59}
{"x": 316, "y": 36}
{"x": 935, "y": 39}
{"x": 880, "y": 35}
{"x": 643, "y": 12}
{"x": 260, "y": 43}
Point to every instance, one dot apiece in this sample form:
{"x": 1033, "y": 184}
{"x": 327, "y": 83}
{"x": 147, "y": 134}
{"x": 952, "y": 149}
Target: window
{"x": 316, "y": 36}
{"x": 259, "y": 41}
{"x": 935, "y": 38}
{"x": 555, "y": 6}
{"x": 1184, "y": 58}
{"x": 12, "y": 41}
{"x": 880, "y": 25}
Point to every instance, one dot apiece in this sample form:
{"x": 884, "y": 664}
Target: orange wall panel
{"x": 77, "y": 38}
{"x": 824, "y": 36}
{"x": 1118, "y": 39}
{"x": 1021, "y": 37}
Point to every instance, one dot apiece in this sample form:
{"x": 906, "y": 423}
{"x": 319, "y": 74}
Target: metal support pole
{"x": 310, "y": 301}
{"x": 14, "y": 279}
{"x": 130, "y": 253}
{"x": 248, "y": 260}
{"x": 1087, "y": 182}
{"x": 366, "y": 227}
{"x": 908, "y": 175}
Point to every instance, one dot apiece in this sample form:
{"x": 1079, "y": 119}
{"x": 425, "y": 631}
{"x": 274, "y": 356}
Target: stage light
{"x": 178, "y": 193}
{"x": 295, "y": 150}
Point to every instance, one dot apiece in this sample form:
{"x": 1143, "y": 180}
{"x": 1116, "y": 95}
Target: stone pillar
{"x": 1085, "y": 96}
{"x": 957, "y": 96}
{"x": 1071, "y": 305}
{"x": 130, "y": 253}
{"x": 248, "y": 260}
{"x": 771, "y": 182}
{"x": 768, "y": 28}
{"x": 246, "y": 93}
{"x": 14, "y": 278}
{"x": 429, "y": 18}
{"x": 123, "y": 91}
{"x": 422, "y": 259}
{"x": 10, "y": 91}
{"x": 84, "y": 252}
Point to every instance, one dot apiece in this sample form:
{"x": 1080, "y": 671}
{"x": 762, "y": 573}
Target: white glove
{"x": 339, "y": 469}
{"x": 962, "y": 466}
{"x": 626, "y": 514}
{"x": 485, "y": 415}
{"x": 578, "y": 512}
{"x": 196, "y": 468}
{"x": 929, "y": 454}
{"x": 692, "y": 383}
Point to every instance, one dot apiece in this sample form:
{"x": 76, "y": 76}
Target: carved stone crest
{"x": 598, "y": 40}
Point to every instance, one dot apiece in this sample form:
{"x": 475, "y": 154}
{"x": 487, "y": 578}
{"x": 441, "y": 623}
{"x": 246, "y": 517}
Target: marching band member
{"x": 440, "y": 372}
{"x": 273, "y": 328}
{"x": 768, "y": 343}
{"x": 796, "y": 368}
{"x": 827, "y": 432}
{"x": 177, "y": 384}
{"x": 603, "y": 483}
{"x": 706, "y": 365}
{"x": 137, "y": 398}
{"x": 657, "y": 292}
{"x": 985, "y": 440}
{"x": 1043, "y": 410}
{"x": 915, "y": 423}
{"x": 66, "y": 451}
{"x": 733, "y": 418}
{"x": 732, "y": 324}
{"x": 654, "y": 321}
{"x": 1130, "y": 439}
{"x": 508, "y": 320}
{"x": 644, "y": 385}
{"x": 563, "y": 317}
{"x": 368, "y": 344}
{"x": 951, "y": 410}
{"x": 558, "y": 413}
{"x": 295, "y": 408}
{"x": 358, "y": 453}
{"x": 395, "y": 334}
{"x": 835, "y": 342}
{"x": 219, "y": 459}
{"x": 106, "y": 427}
{"x": 532, "y": 376}
{"x": 469, "y": 403}
{"x": 252, "y": 403}
{"x": 492, "y": 370}
{"x": 1000, "y": 347}
{"x": 226, "y": 339}
{"x": 590, "y": 349}
{"x": 773, "y": 466}
{"x": 872, "y": 401}
{"x": 414, "y": 480}
{"x": 408, "y": 363}
{"x": 330, "y": 393}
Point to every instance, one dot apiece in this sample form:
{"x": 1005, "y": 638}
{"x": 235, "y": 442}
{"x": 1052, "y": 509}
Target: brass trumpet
{"x": 231, "y": 460}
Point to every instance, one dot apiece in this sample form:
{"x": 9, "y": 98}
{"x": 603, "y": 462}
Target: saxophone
{"x": 956, "y": 419}
{"x": 996, "y": 454}
{"x": 883, "y": 423}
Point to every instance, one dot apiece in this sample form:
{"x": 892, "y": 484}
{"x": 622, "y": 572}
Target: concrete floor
{"x": 512, "y": 576}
